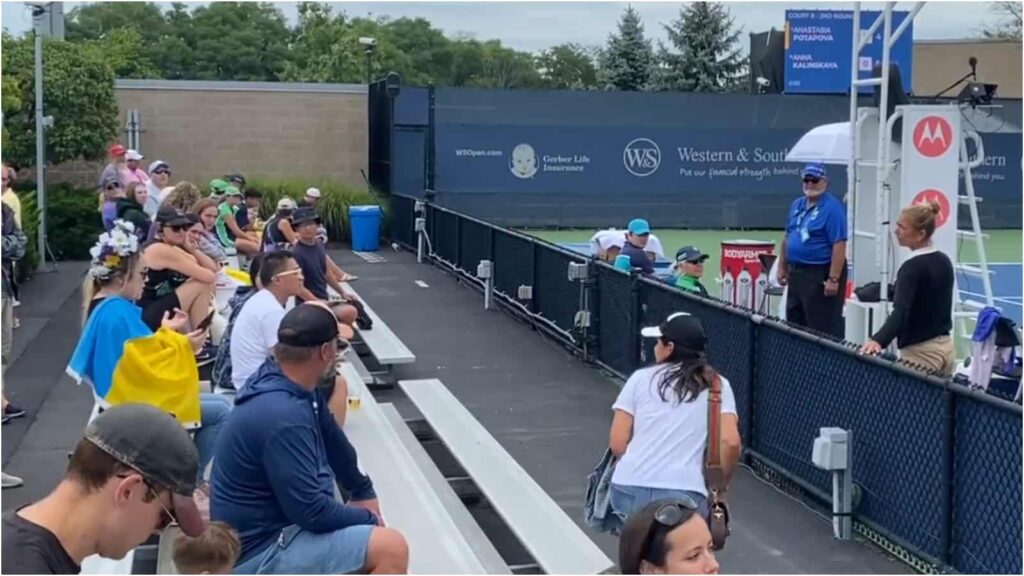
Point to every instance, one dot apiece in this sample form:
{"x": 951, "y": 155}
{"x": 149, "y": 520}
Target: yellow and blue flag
{"x": 124, "y": 361}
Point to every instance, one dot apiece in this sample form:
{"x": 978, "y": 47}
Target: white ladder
{"x": 967, "y": 307}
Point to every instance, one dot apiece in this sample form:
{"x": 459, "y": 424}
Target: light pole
{"x": 369, "y": 44}
{"x": 38, "y": 11}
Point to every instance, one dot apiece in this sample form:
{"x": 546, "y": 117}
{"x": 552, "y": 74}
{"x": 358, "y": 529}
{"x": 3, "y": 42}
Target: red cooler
{"x": 743, "y": 280}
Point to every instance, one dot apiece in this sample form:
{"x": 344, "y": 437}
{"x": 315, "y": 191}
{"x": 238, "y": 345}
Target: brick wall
{"x": 271, "y": 130}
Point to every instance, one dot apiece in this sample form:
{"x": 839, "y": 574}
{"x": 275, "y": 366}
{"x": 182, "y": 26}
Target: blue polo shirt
{"x": 637, "y": 258}
{"x": 811, "y": 233}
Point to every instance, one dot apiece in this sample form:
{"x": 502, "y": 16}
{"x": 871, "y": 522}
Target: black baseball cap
{"x": 307, "y": 326}
{"x": 690, "y": 254}
{"x": 303, "y": 215}
{"x": 235, "y": 178}
{"x": 169, "y": 216}
{"x": 680, "y": 328}
{"x": 153, "y": 443}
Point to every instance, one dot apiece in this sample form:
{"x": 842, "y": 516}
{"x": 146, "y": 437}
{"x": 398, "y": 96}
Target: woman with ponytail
{"x": 922, "y": 308}
{"x": 660, "y": 427}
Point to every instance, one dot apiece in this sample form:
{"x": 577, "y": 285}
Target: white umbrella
{"x": 828, "y": 144}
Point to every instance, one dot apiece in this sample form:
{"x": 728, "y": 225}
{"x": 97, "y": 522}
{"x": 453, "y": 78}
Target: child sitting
{"x": 213, "y": 552}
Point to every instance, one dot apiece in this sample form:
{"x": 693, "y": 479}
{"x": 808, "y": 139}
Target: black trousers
{"x": 808, "y": 306}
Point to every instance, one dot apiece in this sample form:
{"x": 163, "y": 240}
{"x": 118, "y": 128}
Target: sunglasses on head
{"x": 669, "y": 515}
{"x": 811, "y": 180}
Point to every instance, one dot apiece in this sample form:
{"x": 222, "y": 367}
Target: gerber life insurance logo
{"x": 641, "y": 157}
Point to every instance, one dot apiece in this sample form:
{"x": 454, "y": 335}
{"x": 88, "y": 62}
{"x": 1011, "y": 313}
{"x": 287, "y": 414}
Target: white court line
{"x": 996, "y": 263}
{"x": 422, "y": 284}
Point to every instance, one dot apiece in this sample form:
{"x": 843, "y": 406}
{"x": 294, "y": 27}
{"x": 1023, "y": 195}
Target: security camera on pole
{"x": 369, "y": 44}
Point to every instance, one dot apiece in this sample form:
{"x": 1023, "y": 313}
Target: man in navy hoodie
{"x": 277, "y": 460}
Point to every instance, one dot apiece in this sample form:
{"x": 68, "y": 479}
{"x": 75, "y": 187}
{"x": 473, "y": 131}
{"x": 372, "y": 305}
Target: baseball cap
{"x": 307, "y": 326}
{"x": 639, "y": 226}
{"x": 230, "y": 190}
{"x": 690, "y": 254}
{"x": 235, "y": 179}
{"x": 153, "y": 443}
{"x": 158, "y": 164}
{"x": 110, "y": 180}
{"x": 169, "y": 216}
{"x": 813, "y": 170}
{"x": 303, "y": 215}
{"x": 680, "y": 328}
{"x": 217, "y": 185}
{"x": 286, "y": 203}
{"x": 116, "y": 150}
{"x": 133, "y": 155}
{"x": 313, "y": 192}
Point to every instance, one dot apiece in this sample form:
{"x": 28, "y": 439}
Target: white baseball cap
{"x": 157, "y": 164}
{"x": 313, "y": 193}
{"x": 133, "y": 155}
{"x": 286, "y": 203}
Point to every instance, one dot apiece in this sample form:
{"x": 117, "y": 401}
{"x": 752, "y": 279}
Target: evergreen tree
{"x": 627, "y": 60}
{"x": 704, "y": 55}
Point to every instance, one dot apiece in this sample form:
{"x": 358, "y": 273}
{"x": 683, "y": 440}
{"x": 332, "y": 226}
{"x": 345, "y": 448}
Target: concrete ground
{"x": 547, "y": 409}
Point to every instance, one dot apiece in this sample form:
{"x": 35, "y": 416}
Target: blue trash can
{"x": 364, "y": 222}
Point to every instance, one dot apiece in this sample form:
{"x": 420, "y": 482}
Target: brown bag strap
{"x": 713, "y": 463}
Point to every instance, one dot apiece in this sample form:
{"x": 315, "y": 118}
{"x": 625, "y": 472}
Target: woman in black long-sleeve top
{"x": 922, "y": 315}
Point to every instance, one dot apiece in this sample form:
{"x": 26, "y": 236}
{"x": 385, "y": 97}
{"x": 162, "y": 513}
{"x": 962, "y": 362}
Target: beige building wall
{"x": 938, "y": 63}
{"x": 268, "y": 130}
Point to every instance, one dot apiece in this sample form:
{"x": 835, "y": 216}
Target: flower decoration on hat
{"x": 112, "y": 249}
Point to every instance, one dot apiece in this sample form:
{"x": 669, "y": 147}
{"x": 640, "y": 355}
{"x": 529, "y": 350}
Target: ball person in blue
{"x": 812, "y": 261}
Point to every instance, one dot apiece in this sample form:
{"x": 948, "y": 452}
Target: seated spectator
{"x": 215, "y": 551}
{"x": 311, "y": 199}
{"x": 180, "y": 275}
{"x": 690, "y": 269}
{"x": 217, "y": 188}
{"x": 205, "y": 237}
{"x": 249, "y": 212}
{"x": 637, "y": 236}
{"x": 229, "y": 233}
{"x": 132, "y": 171}
{"x": 182, "y": 197}
{"x": 605, "y": 245}
{"x": 133, "y": 473}
{"x": 311, "y": 254}
{"x": 113, "y": 324}
{"x": 659, "y": 430}
{"x": 667, "y": 537}
{"x": 280, "y": 459}
{"x": 111, "y": 191}
{"x": 278, "y": 232}
{"x": 221, "y": 376}
{"x": 131, "y": 208}
{"x": 236, "y": 180}
{"x": 159, "y": 180}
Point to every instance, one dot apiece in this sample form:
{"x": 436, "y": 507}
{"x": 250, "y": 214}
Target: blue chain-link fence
{"x": 937, "y": 467}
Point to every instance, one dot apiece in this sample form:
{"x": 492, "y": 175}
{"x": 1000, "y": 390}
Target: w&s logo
{"x": 641, "y": 157}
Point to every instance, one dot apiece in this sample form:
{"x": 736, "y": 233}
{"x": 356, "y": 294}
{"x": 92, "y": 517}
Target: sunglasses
{"x": 180, "y": 227}
{"x": 670, "y": 515}
{"x": 166, "y": 516}
{"x": 113, "y": 186}
{"x": 294, "y": 272}
{"x": 812, "y": 180}
{"x": 162, "y": 171}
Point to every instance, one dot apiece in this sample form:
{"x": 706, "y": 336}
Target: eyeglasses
{"x": 292, "y": 272}
{"x": 669, "y": 515}
{"x": 812, "y": 180}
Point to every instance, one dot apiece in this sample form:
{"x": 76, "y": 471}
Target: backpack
{"x": 14, "y": 240}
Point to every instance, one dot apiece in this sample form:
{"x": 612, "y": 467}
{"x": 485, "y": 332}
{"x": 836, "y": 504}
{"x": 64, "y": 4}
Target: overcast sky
{"x": 534, "y": 26}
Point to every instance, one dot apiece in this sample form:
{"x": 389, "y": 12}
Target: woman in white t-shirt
{"x": 660, "y": 425}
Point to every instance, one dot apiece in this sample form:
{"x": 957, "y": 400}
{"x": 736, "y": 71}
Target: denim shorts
{"x": 626, "y": 500}
{"x": 297, "y": 551}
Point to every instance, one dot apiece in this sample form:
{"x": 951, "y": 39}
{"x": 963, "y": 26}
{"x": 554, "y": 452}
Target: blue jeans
{"x": 626, "y": 500}
{"x": 213, "y": 411}
{"x": 298, "y": 551}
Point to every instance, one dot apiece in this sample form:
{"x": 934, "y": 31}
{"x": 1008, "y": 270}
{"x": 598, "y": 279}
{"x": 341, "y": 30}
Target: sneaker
{"x": 12, "y": 411}
{"x": 11, "y": 481}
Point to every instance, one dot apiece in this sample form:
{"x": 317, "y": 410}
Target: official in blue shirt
{"x": 637, "y": 234}
{"x": 812, "y": 261}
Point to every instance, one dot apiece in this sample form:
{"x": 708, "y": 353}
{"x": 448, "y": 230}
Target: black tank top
{"x": 273, "y": 238}
{"x": 160, "y": 283}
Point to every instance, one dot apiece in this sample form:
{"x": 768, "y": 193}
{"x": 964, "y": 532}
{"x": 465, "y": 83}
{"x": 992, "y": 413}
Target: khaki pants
{"x": 935, "y": 354}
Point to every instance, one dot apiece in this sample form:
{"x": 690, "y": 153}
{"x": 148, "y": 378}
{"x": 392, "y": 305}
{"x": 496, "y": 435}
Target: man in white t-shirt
{"x": 606, "y": 244}
{"x": 255, "y": 331}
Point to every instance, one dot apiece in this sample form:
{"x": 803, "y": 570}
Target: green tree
{"x": 122, "y": 50}
{"x": 93, "y": 21}
{"x": 627, "y": 60}
{"x": 11, "y": 102}
{"x": 567, "y": 67}
{"x": 705, "y": 53}
{"x": 78, "y": 91}
{"x": 238, "y": 41}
